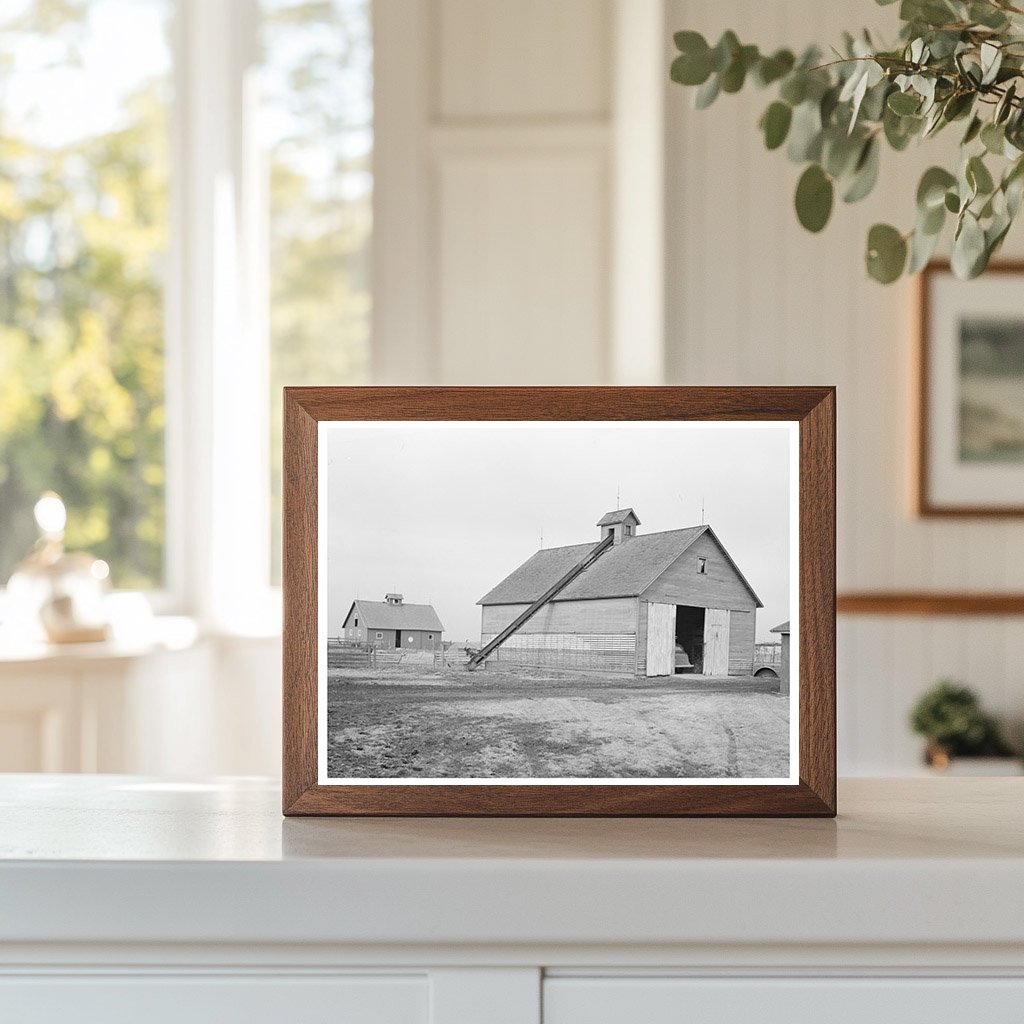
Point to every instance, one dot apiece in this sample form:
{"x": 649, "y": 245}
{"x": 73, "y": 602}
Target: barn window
{"x": 357, "y": 622}
{"x": 380, "y": 636}
{"x": 702, "y": 565}
{"x": 430, "y": 636}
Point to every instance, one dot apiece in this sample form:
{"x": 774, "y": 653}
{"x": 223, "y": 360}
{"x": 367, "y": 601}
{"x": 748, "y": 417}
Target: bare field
{"x": 407, "y": 722}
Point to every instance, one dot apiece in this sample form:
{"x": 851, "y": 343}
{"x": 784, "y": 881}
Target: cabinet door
{"x": 202, "y": 999}
{"x": 783, "y": 1001}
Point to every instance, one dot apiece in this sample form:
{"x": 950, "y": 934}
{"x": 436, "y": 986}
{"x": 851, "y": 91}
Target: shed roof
{"x": 624, "y": 570}
{"x": 783, "y": 627}
{"x": 620, "y": 515}
{"x": 379, "y": 615}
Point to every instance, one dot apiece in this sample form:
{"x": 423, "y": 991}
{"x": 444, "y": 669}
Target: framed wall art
{"x": 970, "y": 444}
{"x": 559, "y": 601}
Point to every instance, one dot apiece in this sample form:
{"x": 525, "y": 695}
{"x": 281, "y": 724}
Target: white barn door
{"x": 716, "y": 642}
{"x": 661, "y": 639}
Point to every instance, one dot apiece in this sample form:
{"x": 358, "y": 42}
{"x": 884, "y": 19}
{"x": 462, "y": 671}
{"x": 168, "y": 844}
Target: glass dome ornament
{"x": 56, "y": 595}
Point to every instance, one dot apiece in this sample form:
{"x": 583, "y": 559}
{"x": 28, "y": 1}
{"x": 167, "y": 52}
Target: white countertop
{"x": 121, "y": 859}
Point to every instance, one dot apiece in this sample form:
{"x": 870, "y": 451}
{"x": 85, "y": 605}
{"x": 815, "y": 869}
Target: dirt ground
{"x": 533, "y": 723}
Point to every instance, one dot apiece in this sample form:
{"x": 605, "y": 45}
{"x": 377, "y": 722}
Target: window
{"x": 267, "y": 274}
{"x": 357, "y": 623}
{"x": 317, "y": 120}
{"x": 430, "y": 636}
{"x": 380, "y": 636}
{"x": 702, "y": 565}
{"x": 83, "y": 239}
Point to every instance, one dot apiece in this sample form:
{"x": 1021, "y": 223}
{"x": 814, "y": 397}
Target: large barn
{"x": 393, "y": 624}
{"x": 643, "y": 604}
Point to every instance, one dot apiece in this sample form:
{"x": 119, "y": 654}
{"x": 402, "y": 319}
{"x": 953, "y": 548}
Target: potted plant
{"x": 950, "y": 718}
{"x": 956, "y": 62}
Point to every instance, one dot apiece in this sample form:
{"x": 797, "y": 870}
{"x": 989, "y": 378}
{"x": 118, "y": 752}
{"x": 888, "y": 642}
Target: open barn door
{"x": 716, "y": 642}
{"x": 661, "y": 639}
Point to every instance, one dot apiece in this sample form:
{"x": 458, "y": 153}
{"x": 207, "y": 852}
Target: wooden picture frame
{"x": 930, "y": 377}
{"x": 810, "y": 790}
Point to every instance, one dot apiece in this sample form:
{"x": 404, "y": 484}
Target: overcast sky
{"x": 441, "y": 513}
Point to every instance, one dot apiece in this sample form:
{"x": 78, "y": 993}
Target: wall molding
{"x": 916, "y": 603}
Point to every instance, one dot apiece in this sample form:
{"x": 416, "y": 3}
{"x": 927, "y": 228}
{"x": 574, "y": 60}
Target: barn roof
{"x": 379, "y": 615}
{"x": 624, "y": 570}
{"x": 781, "y": 628}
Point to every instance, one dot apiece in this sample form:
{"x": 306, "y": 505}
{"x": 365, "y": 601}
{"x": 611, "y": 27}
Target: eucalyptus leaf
{"x": 814, "y": 195}
{"x": 865, "y": 173}
{"x": 954, "y": 60}
{"x": 904, "y": 103}
{"x": 968, "y": 248}
{"x": 886, "y": 253}
{"x": 707, "y": 93}
{"x": 775, "y": 124}
{"x": 805, "y": 133}
{"x": 978, "y": 176}
{"x": 922, "y": 247}
{"x": 973, "y": 130}
{"x": 771, "y": 69}
{"x": 931, "y": 190}
{"x": 993, "y": 138}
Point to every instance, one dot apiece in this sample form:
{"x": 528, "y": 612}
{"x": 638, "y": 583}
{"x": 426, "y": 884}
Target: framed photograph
{"x": 970, "y": 450}
{"x": 559, "y": 601}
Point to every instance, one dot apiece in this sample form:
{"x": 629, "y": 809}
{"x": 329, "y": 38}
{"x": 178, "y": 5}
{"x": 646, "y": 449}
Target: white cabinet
{"x": 126, "y": 899}
{"x": 829, "y": 1000}
{"x": 203, "y": 999}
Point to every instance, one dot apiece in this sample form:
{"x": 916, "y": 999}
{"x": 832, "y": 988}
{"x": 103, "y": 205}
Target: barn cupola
{"x": 620, "y": 524}
{"x": 393, "y": 599}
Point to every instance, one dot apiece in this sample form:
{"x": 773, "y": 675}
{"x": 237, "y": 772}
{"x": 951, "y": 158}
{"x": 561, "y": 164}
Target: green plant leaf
{"x": 968, "y": 255}
{"x": 725, "y": 49}
{"x": 805, "y": 133}
{"x": 973, "y": 130}
{"x": 794, "y": 88}
{"x": 978, "y": 176}
{"x": 1005, "y": 105}
{"x": 814, "y": 195}
{"x": 771, "y": 69}
{"x": 735, "y": 74}
{"x": 886, "y": 253}
{"x": 931, "y": 191}
{"x": 904, "y": 103}
{"x": 775, "y": 124}
{"x": 987, "y": 15}
{"x": 707, "y": 93}
{"x": 952, "y": 202}
{"x": 693, "y": 65}
{"x": 993, "y": 138}
{"x": 922, "y": 247}
{"x": 865, "y": 173}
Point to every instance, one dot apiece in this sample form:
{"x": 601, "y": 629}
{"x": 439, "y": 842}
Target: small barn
{"x": 392, "y": 624}
{"x": 639, "y": 604}
{"x": 783, "y": 630}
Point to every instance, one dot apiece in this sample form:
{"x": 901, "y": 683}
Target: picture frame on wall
{"x": 559, "y": 601}
{"x": 970, "y": 383}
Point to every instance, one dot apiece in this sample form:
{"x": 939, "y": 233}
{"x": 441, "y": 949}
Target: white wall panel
{"x": 530, "y": 58}
{"x": 754, "y": 299}
{"x": 521, "y": 282}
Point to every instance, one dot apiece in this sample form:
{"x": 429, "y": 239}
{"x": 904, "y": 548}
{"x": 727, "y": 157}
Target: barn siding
{"x": 421, "y": 639}
{"x": 742, "y": 627}
{"x": 641, "y": 637}
{"x": 605, "y": 652}
{"x": 719, "y": 587}
{"x": 603, "y": 615}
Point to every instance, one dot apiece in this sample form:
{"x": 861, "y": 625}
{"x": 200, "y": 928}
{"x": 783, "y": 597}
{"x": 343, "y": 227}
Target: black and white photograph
{"x": 557, "y": 602}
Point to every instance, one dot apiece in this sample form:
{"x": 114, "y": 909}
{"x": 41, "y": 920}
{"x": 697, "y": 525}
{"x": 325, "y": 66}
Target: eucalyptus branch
{"x": 954, "y": 60}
